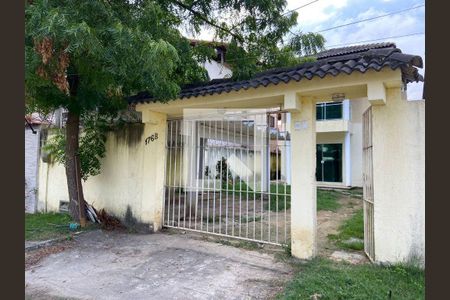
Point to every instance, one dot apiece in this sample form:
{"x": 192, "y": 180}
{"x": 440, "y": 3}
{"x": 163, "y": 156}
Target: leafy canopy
{"x": 88, "y": 55}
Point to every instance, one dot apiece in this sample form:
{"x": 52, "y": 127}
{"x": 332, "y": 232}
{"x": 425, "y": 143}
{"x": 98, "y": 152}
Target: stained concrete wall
{"x": 399, "y": 178}
{"x": 119, "y": 185}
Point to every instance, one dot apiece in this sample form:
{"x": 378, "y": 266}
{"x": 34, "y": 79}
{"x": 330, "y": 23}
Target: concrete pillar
{"x": 398, "y": 137}
{"x": 303, "y": 190}
{"x": 261, "y": 155}
{"x": 286, "y": 154}
{"x": 346, "y": 110}
{"x": 154, "y": 167}
{"x": 348, "y": 159}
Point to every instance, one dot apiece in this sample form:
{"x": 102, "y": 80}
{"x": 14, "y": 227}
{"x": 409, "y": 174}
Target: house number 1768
{"x": 151, "y": 138}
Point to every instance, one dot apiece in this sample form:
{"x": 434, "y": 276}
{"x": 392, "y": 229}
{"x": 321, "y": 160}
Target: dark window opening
{"x": 329, "y": 162}
{"x": 329, "y": 111}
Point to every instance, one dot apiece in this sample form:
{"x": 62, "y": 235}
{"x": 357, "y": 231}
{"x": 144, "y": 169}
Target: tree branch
{"x": 206, "y": 20}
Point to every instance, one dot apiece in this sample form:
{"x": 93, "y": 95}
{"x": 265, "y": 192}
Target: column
{"x": 154, "y": 167}
{"x": 348, "y": 159}
{"x": 303, "y": 189}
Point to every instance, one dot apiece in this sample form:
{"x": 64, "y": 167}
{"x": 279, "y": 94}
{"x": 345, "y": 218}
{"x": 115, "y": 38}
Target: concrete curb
{"x": 47, "y": 243}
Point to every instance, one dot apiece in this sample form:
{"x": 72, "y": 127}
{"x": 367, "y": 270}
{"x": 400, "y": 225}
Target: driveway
{"x": 108, "y": 265}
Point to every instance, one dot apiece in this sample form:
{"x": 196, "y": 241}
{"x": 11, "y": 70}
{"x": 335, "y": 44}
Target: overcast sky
{"x": 324, "y": 14}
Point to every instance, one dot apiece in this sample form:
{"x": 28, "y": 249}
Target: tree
{"x": 87, "y": 56}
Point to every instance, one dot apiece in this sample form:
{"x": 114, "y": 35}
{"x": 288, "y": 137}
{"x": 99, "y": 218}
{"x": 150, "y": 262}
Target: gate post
{"x": 303, "y": 188}
{"x": 153, "y": 174}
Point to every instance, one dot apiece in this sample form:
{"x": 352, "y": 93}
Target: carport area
{"x": 110, "y": 265}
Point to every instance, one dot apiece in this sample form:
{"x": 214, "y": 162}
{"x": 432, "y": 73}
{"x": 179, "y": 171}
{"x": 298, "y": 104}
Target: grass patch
{"x": 331, "y": 280}
{"x": 211, "y": 219}
{"x": 328, "y": 200}
{"x": 351, "y": 228}
{"x": 44, "y": 226}
{"x": 240, "y": 244}
{"x": 276, "y": 203}
{"x": 249, "y": 219}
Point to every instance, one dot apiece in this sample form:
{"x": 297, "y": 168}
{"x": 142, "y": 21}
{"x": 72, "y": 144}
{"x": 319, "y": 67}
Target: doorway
{"x": 329, "y": 162}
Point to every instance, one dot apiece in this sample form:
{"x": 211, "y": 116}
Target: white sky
{"x": 329, "y": 13}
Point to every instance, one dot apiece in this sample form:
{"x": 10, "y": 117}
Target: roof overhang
{"x": 370, "y": 85}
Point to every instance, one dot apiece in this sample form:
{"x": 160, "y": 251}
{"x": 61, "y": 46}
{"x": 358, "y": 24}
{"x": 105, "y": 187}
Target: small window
{"x": 328, "y": 111}
{"x": 63, "y": 206}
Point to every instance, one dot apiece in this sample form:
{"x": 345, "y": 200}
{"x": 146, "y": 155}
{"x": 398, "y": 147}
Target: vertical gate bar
{"x": 267, "y": 140}
{"x": 174, "y": 149}
{"x": 174, "y": 170}
{"x": 214, "y": 181}
{"x": 177, "y": 166}
{"x": 220, "y": 174}
{"x": 226, "y": 179}
{"x": 254, "y": 177}
{"x": 169, "y": 153}
{"x": 262, "y": 181}
{"x": 203, "y": 186}
{"x": 180, "y": 185}
{"x": 187, "y": 200}
{"x": 199, "y": 176}
{"x": 188, "y": 146}
{"x": 285, "y": 152}
{"x": 190, "y": 173}
{"x": 277, "y": 179}
{"x": 208, "y": 188}
{"x": 177, "y": 149}
{"x": 183, "y": 165}
{"x": 248, "y": 168}
{"x": 233, "y": 177}
{"x": 240, "y": 180}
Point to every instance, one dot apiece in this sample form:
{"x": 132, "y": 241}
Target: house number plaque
{"x": 151, "y": 138}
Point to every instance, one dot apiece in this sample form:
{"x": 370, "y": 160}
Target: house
{"x": 217, "y": 68}
{"x": 33, "y": 127}
{"x": 339, "y": 124}
{"x": 240, "y": 158}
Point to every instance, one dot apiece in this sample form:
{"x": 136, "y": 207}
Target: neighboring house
{"x": 217, "y": 68}
{"x": 32, "y": 151}
{"x": 338, "y": 143}
{"x": 339, "y": 125}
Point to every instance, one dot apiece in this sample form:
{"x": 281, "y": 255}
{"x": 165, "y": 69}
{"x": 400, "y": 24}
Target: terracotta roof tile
{"x": 331, "y": 62}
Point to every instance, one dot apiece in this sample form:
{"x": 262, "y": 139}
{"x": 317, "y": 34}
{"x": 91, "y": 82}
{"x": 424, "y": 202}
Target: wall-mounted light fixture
{"x": 337, "y": 97}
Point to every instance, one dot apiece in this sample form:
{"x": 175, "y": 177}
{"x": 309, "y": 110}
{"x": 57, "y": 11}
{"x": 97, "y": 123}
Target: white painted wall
{"x": 217, "y": 70}
{"x": 358, "y": 107}
{"x": 31, "y": 168}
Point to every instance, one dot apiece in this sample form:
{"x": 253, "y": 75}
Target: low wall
{"x": 117, "y": 188}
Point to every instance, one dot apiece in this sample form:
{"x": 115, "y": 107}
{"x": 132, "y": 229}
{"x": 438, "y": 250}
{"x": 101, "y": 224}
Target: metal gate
{"x": 230, "y": 176}
{"x": 369, "y": 240}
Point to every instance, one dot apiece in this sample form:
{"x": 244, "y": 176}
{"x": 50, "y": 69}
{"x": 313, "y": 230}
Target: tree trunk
{"x": 73, "y": 170}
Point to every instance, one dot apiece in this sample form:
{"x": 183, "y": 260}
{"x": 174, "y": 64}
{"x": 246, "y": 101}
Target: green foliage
{"x": 307, "y": 44}
{"x": 87, "y": 56}
{"x": 300, "y": 49}
{"x": 329, "y": 280}
{"x": 44, "y": 226}
{"x": 280, "y": 197}
{"x": 351, "y": 228}
{"x": 92, "y": 144}
{"x": 222, "y": 171}
{"x": 327, "y": 200}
